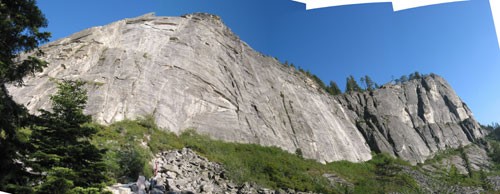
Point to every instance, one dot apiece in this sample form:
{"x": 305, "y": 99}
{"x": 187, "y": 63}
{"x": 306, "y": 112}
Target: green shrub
{"x": 59, "y": 181}
{"x": 267, "y": 166}
{"x": 133, "y": 161}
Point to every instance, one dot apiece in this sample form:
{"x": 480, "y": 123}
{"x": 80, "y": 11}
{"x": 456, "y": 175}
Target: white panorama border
{"x": 495, "y": 11}
{"x": 398, "y": 5}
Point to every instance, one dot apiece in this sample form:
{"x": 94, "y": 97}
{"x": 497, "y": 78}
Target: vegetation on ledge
{"x": 131, "y": 145}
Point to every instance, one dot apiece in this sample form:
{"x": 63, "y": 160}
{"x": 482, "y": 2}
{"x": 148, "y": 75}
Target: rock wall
{"x": 193, "y": 72}
{"x": 413, "y": 120}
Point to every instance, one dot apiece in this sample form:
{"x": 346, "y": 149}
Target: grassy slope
{"x": 128, "y": 156}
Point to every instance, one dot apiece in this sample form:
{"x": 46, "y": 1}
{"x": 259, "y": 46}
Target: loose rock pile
{"x": 184, "y": 171}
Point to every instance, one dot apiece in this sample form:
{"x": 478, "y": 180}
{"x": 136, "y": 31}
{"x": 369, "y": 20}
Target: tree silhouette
{"x": 352, "y": 85}
{"x": 20, "y": 23}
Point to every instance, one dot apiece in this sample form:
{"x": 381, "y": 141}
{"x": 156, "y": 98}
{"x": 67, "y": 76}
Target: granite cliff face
{"x": 412, "y": 120}
{"x": 193, "y": 72}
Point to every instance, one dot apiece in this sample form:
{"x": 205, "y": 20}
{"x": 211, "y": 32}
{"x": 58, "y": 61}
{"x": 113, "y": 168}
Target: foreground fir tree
{"x": 20, "y": 21}
{"x": 62, "y": 137}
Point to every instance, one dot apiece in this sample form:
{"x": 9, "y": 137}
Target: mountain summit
{"x": 193, "y": 72}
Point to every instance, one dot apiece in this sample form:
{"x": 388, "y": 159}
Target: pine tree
{"x": 20, "y": 21}
{"x": 333, "y": 89}
{"x": 415, "y": 75}
{"x": 62, "y": 137}
{"x": 369, "y": 84}
{"x": 403, "y": 79}
{"x": 320, "y": 83}
{"x": 352, "y": 85}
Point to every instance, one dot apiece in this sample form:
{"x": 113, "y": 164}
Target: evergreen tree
{"x": 403, "y": 79}
{"x": 368, "y": 82}
{"x": 320, "y": 83}
{"x": 62, "y": 137}
{"x": 415, "y": 75}
{"x": 333, "y": 89}
{"x": 20, "y": 21}
{"x": 352, "y": 85}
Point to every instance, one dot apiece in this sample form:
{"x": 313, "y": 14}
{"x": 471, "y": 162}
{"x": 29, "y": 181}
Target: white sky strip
{"x": 315, "y": 4}
{"x": 495, "y": 11}
{"x": 397, "y": 5}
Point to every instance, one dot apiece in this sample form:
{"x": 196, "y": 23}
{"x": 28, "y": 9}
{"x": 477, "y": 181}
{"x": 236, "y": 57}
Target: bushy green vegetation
{"x": 267, "y": 166}
{"x": 272, "y": 167}
{"x": 382, "y": 174}
{"x": 131, "y": 145}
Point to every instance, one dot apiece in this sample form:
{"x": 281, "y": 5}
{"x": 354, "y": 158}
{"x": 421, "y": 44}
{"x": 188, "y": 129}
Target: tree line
{"x": 365, "y": 83}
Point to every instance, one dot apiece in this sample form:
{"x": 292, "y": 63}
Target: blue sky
{"x": 456, "y": 40}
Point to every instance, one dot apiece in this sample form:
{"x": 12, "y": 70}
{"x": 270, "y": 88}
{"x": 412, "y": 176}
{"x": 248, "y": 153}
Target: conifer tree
{"x": 368, "y": 82}
{"x": 62, "y": 137}
{"x": 352, "y": 85}
{"x": 20, "y": 23}
{"x": 333, "y": 89}
{"x": 415, "y": 75}
{"x": 403, "y": 79}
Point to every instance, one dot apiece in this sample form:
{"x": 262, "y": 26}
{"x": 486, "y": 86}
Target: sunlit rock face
{"x": 193, "y": 72}
{"x": 413, "y": 120}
